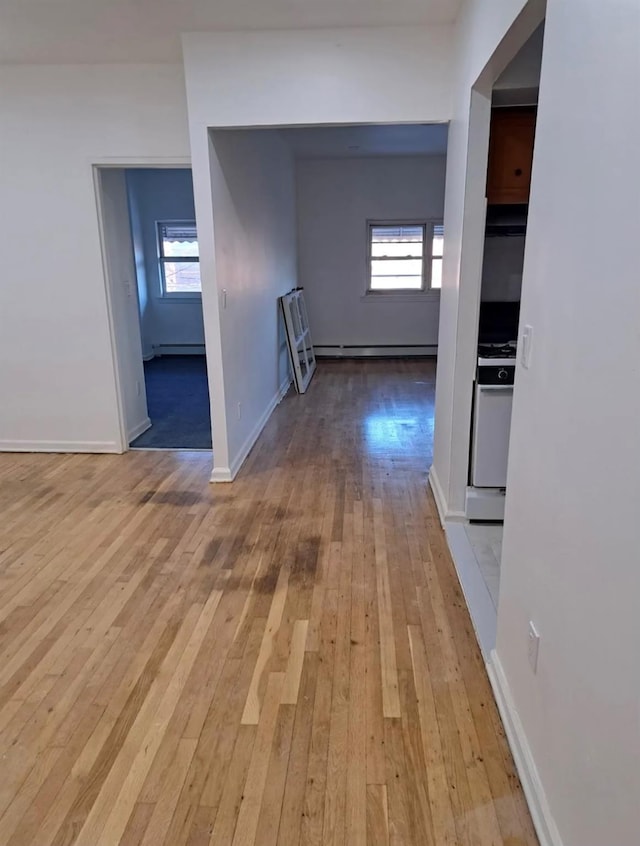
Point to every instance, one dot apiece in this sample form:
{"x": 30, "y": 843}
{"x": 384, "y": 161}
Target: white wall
{"x": 358, "y": 75}
{"x": 335, "y": 198}
{"x": 57, "y": 379}
{"x": 162, "y": 194}
{"x": 119, "y": 260}
{"x": 253, "y": 191}
{"x": 279, "y": 78}
{"x": 487, "y": 37}
{"x": 570, "y": 558}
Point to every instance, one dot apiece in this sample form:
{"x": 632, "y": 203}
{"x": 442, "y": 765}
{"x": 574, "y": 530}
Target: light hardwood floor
{"x": 284, "y": 660}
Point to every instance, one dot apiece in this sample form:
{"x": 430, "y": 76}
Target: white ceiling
{"x": 395, "y": 140}
{"x": 93, "y": 31}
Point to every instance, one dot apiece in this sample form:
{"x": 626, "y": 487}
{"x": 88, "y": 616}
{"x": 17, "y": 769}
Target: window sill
{"x": 400, "y": 296}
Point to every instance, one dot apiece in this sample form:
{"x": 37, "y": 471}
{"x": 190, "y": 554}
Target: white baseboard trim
{"x": 178, "y": 349}
{"x": 543, "y": 820}
{"x": 221, "y": 474}
{"x": 438, "y": 495}
{"x": 380, "y": 351}
{"x": 60, "y": 446}
{"x": 441, "y": 503}
{"x": 137, "y": 430}
{"x": 228, "y": 474}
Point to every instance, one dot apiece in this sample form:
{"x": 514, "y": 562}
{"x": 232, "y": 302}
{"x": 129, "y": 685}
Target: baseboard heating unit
{"x": 377, "y": 351}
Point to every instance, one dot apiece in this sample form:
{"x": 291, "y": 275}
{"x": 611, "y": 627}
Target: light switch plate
{"x": 527, "y": 346}
{"x": 533, "y": 644}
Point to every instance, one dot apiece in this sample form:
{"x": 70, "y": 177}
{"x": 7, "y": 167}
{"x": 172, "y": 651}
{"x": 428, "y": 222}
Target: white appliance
{"x": 492, "y": 425}
{"x": 493, "y": 399}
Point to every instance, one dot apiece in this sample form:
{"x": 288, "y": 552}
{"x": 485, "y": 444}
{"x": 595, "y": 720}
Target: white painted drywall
{"x": 123, "y": 294}
{"x": 57, "y": 379}
{"x": 254, "y": 224}
{"x": 358, "y": 75}
{"x": 335, "y": 198}
{"x": 157, "y": 194}
{"x": 487, "y": 37}
{"x": 570, "y": 558}
{"x": 144, "y": 304}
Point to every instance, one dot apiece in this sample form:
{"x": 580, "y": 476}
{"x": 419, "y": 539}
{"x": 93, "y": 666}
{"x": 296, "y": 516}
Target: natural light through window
{"x": 399, "y": 255}
{"x": 179, "y": 259}
{"x": 437, "y": 246}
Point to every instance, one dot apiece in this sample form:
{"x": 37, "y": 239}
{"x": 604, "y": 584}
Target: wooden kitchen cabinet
{"x": 510, "y": 155}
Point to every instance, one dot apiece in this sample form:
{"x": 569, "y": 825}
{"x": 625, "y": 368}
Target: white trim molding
{"x": 228, "y": 474}
{"x": 221, "y": 474}
{"x": 178, "y": 349}
{"x": 61, "y": 446}
{"x": 438, "y": 495}
{"x": 543, "y": 820}
{"x": 137, "y": 430}
{"x": 441, "y": 502}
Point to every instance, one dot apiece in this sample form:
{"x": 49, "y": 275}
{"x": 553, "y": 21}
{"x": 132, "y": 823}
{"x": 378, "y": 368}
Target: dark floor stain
{"x": 211, "y": 550}
{"x": 305, "y": 562}
{"x": 265, "y": 584}
{"x": 176, "y": 498}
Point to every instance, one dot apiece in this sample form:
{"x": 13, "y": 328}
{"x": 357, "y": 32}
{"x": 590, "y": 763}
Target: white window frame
{"x": 426, "y": 291}
{"x": 174, "y": 296}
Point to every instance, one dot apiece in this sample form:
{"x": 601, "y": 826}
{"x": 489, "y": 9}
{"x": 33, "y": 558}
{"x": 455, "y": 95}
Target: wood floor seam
{"x": 286, "y": 660}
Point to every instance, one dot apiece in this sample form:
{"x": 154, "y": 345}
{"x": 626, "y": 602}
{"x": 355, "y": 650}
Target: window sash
{"x": 396, "y": 233}
{"x": 176, "y": 231}
{"x": 427, "y": 249}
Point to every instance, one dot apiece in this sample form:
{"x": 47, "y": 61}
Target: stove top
{"x": 497, "y": 350}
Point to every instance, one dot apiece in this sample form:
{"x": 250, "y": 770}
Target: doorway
{"x": 514, "y": 101}
{"x": 151, "y": 259}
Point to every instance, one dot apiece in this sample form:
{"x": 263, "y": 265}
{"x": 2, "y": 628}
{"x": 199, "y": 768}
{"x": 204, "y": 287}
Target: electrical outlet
{"x": 138, "y": 389}
{"x": 533, "y": 645}
{"x": 527, "y": 346}
{"x": 239, "y": 410}
{"x": 224, "y": 298}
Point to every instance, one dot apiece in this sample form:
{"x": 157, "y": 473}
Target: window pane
{"x": 179, "y": 240}
{"x": 182, "y": 277}
{"x": 396, "y": 283}
{"x": 397, "y": 252}
{"x": 396, "y": 248}
{"x": 437, "y": 244}
{"x": 399, "y": 267}
{"x": 396, "y": 233}
{"x": 436, "y": 273}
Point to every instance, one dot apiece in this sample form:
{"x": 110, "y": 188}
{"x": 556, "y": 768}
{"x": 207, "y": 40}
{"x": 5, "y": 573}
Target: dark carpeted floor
{"x": 178, "y": 403}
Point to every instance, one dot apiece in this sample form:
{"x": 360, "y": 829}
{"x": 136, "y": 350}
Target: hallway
{"x": 284, "y": 660}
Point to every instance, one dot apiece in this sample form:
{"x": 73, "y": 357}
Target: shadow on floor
{"x": 178, "y": 404}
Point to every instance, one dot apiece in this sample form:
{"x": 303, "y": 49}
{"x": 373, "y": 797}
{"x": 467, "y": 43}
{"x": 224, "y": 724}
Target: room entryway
{"x": 178, "y": 403}
{"x": 152, "y": 259}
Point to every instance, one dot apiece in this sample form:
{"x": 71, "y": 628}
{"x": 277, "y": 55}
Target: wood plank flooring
{"x": 285, "y": 660}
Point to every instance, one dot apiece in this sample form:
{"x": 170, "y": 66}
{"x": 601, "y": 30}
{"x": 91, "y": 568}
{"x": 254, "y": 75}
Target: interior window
{"x": 179, "y": 259}
{"x": 405, "y": 257}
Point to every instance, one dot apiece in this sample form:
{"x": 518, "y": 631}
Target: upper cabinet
{"x": 510, "y": 155}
